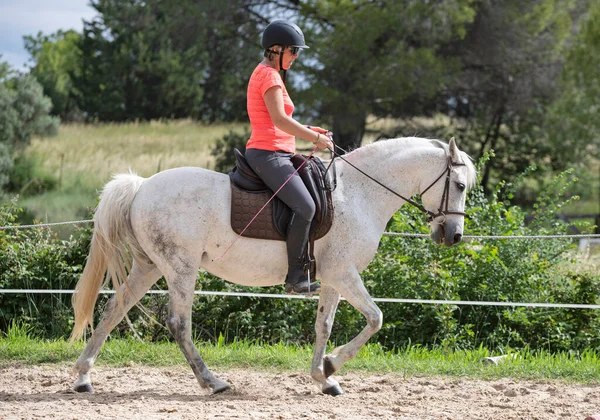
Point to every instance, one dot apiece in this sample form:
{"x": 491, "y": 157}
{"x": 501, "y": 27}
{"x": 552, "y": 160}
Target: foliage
{"x": 166, "y": 59}
{"x": 25, "y": 177}
{"x": 493, "y": 67}
{"x": 367, "y": 61}
{"x": 510, "y": 62}
{"x": 24, "y": 112}
{"x": 6, "y": 164}
{"x": 36, "y": 259}
{"x": 223, "y": 149}
{"x": 57, "y": 59}
{"x": 573, "y": 117}
{"x": 489, "y": 270}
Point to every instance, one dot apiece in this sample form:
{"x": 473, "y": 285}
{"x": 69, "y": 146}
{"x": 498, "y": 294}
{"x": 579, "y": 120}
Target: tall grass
{"x": 82, "y": 158}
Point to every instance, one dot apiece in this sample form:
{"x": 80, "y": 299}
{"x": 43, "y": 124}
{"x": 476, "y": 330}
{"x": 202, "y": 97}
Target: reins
{"x": 445, "y": 195}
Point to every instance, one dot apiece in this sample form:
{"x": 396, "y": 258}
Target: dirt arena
{"x": 172, "y": 393}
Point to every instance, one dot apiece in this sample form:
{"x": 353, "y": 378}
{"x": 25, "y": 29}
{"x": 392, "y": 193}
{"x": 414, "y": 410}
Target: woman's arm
{"x": 274, "y": 102}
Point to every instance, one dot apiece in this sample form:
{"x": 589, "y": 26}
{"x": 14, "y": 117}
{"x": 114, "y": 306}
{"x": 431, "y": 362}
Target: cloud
{"x": 28, "y": 17}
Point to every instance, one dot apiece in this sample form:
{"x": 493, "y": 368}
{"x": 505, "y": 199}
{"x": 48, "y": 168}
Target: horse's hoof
{"x": 328, "y": 368}
{"x": 84, "y": 388}
{"x": 334, "y": 390}
{"x": 221, "y": 388}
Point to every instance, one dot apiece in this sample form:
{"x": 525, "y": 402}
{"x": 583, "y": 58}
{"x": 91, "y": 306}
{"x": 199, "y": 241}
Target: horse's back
{"x": 185, "y": 200}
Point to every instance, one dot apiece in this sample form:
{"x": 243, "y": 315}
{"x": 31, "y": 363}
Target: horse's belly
{"x": 249, "y": 262}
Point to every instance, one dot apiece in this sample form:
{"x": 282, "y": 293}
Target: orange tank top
{"x": 265, "y": 135}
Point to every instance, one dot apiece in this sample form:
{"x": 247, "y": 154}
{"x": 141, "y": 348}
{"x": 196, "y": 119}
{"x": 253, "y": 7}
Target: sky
{"x": 28, "y": 17}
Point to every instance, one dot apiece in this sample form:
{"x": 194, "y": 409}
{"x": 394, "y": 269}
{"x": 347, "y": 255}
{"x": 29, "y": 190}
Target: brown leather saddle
{"x": 249, "y": 194}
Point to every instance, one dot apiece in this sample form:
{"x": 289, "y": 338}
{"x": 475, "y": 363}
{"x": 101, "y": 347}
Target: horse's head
{"x": 444, "y": 196}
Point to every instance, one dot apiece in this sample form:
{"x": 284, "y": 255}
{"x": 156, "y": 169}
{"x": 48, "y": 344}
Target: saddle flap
{"x": 249, "y": 195}
{"x": 312, "y": 175}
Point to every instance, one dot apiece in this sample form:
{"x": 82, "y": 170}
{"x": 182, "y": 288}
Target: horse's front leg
{"x": 352, "y": 288}
{"x": 328, "y": 302}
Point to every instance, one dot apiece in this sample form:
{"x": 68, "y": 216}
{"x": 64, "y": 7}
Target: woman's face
{"x": 289, "y": 55}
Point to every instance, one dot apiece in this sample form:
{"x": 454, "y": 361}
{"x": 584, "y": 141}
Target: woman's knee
{"x": 306, "y": 210}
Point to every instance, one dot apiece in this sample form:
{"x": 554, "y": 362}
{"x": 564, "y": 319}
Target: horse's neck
{"x": 399, "y": 168}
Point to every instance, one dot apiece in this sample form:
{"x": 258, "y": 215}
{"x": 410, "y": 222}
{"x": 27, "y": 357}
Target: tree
{"x": 24, "y": 112}
{"x": 511, "y": 60}
{"x": 573, "y": 118}
{"x": 167, "y": 59}
{"x": 57, "y": 59}
{"x": 378, "y": 58}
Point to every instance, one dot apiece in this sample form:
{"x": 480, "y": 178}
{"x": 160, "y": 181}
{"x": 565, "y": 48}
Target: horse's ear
{"x": 454, "y": 152}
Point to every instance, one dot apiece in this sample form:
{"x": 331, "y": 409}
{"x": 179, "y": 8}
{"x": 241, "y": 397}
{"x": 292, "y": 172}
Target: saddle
{"x": 249, "y": 194}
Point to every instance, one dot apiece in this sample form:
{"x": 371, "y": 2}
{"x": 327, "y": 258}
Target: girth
{"x": 249, "y": 194}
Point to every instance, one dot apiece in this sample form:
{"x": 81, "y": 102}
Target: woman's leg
{"x": 275, "y": 168}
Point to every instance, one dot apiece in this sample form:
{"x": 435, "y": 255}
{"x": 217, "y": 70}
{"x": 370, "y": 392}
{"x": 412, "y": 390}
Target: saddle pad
{"x": 244, "y": 207}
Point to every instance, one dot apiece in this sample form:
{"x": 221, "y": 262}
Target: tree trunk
{"x": 348, "y": 130}
{"x": 494, "y": 138}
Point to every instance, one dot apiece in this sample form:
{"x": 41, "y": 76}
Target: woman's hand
{"x": 317, "y": 129}
{"x": 323, "y": 141}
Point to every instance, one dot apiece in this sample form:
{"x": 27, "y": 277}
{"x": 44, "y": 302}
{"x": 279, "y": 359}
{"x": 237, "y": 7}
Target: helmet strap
{"x": 269, "y": 54}
{"x": 281, "y": 65}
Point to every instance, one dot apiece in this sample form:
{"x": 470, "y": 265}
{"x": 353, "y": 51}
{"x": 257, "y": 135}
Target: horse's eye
{"x": 460, "y": 186}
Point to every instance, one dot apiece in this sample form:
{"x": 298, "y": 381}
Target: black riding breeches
{"x": 275, "y": 168}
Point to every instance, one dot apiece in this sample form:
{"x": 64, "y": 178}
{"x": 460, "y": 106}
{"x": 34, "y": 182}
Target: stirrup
{"x": 302, "y": 288}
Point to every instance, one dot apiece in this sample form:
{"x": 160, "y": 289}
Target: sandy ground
{"x": 172, "y": 393}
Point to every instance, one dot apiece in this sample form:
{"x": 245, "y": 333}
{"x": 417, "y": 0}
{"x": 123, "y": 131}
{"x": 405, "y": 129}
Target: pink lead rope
{"x": 263, "y": 207}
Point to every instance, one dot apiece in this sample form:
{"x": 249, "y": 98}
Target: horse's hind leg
{"x": 141, "y": 278}
{"x": 328, "y": 302}
{"x": 182, "y": 282}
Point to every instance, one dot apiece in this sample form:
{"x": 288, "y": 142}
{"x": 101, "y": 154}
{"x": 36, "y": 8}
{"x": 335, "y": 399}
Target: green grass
{"x": 17, "y": 347}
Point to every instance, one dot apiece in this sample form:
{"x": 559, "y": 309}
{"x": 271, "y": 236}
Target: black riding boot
{"x": 296, "y": 281}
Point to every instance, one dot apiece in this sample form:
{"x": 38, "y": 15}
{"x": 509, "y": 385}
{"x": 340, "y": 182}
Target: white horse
{"x": 177, "y": 221}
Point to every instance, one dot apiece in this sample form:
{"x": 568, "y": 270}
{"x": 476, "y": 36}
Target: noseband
{"x": 443, "y": 209}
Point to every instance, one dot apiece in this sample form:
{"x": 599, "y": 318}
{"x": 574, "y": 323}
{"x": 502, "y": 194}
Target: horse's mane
{"x": 391, "y": 145}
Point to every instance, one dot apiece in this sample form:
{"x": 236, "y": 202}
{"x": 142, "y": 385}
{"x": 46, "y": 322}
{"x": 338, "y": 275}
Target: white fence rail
{"x": 277, "y": 296}
{"x": 385, "y": 300}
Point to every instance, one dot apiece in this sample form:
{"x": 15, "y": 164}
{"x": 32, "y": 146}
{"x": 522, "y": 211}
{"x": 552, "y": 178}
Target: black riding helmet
{"x": 282, "y": 32}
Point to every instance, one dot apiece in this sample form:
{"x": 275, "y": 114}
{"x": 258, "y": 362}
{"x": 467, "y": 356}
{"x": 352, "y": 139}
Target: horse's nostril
{"x": 457, "y": 238}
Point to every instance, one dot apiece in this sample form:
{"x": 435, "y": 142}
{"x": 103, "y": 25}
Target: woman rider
{"x": 272, "y": 142}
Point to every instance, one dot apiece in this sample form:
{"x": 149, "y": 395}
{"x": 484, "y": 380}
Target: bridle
{"x": 442, "y": 210}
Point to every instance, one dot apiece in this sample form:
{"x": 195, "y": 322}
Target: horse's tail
{"x": 112, "y": 248}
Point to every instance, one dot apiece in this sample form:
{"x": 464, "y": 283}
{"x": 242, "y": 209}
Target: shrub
{"x": 26, "y": 178}
{"x": 36, "y": 259}
{"x": 223, "y": 149}
{"x": 528, "y": 270}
